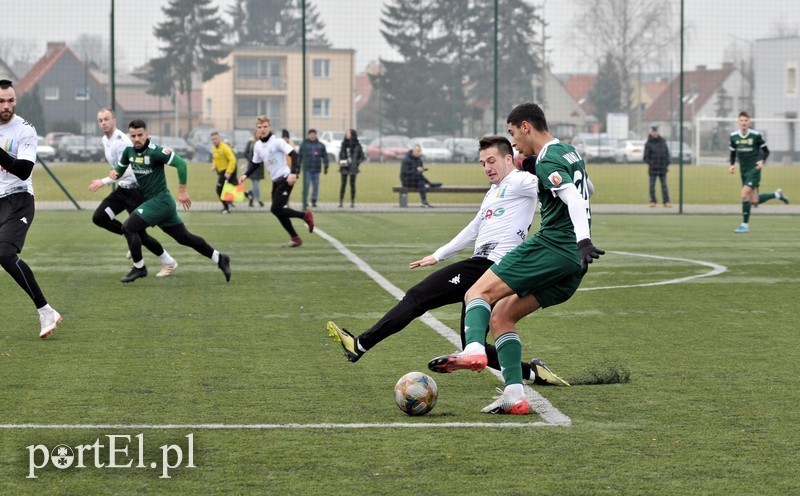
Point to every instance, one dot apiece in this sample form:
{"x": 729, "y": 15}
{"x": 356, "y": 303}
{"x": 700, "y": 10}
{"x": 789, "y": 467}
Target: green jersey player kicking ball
{"x": 544, "y": 270}
{"x": 158, "y": 207}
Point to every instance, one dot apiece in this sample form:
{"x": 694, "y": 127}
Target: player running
{"x": 545, "y": 270}
{"x": 127, "y": 195}
{"x": 502, "y": 222}
{"x": 17, "y": 155}
{"x": 158, "y": 208}
{"x": 751, "y": 148}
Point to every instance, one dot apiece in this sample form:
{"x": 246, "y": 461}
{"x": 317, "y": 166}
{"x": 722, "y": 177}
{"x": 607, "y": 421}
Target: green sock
{"x": 476, "y": 320}
{"x": 765, "y": 197}
{"x": 509, "y": 353}
{"x": 746, "y": 211}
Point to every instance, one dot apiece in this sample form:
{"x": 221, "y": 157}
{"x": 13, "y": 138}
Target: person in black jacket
{"x": 254, "y": 194}
{"x": 656, "y": 156}
{"x": 312, "y": 156}
{"x": 350, "y": 157}
{"x": 411, "y": 174}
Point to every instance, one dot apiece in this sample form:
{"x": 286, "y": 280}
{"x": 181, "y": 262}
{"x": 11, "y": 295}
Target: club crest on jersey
{"x": 555, "y": 179}
{"x": 147, "y": 160}
{"x": 166, "y": 151}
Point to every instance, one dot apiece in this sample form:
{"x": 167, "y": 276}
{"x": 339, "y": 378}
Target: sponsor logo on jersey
{"x": 166, "y": 151}
{"x": 138, "y": 160}
{"x": 498, "y": 212}
{"x": 555, "y": 179}
{"x": 502, "y": 192}
{"x": 147, "y": 160}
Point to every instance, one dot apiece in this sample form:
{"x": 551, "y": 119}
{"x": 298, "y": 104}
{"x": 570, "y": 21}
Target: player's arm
{"x": 252, "y": 166}
{"x": 20, "y": 167}
{"x": 732, "y": 156}
{"x": 763, "y": 152}
{"x": 183, "y": 196}
{"x": 578, "y": 209}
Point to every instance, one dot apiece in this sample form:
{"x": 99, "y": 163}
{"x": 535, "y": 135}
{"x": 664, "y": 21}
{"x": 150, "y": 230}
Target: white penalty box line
{"x": 264, "y": 427}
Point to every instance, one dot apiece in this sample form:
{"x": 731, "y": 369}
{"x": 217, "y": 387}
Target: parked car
{"x": 595, "y": 147}
{"x": 674, "y": 150}
{"x": 75, "y": 148}
{"x": 176, "y": 144}
{"x": 199, "y": 140}
{"x": 629, "y": 151}
{"x": 464, "y": 149}
{"x": 392, "y": 147}
{"x": 433, "y": 150}
{"x": 53, "y": 138}
{"x": 333, "y": 143}
{"x": 45, "y": 151}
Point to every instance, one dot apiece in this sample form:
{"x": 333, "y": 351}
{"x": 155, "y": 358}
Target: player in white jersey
{"x": 272, "y": 153}
{"x": 17, "y": 155}
{"x": 502, "y": 223}
{"x": 126, "y": 196}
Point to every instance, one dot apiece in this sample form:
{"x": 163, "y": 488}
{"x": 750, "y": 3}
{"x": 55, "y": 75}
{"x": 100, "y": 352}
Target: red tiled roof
{"x": 698, "y": 87}
{"x": 39, "y": 69}
{"x": 578, "y": 85}
{"x": 363, "y": 90}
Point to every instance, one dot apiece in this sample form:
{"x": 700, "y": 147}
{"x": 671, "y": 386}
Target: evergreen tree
{"x": 30, "y": 108}
{"x": 193, "y": 45}
{"x": 274, "y": 22}
{"x": 606, "y": 94}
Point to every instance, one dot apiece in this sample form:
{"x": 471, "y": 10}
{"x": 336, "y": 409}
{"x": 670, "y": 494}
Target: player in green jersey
{"x": 158, "y": 207}
{"x": 544, "y": 270}
{"x": 751, "y": 148}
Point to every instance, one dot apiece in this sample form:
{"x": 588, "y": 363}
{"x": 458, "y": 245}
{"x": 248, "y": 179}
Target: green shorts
{"x": 533, "y": 268}
{"x": 159, "y": 211}
{"x": 752, "y": 178}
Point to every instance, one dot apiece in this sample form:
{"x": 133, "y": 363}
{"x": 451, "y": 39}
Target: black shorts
{"x": 280, "y": 193}
{"x": 16, "y": 217}
{"x": 122, "y": 199}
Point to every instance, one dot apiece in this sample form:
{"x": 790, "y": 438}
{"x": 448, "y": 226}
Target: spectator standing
{"x": 656, "y": 156}
{"x": 350, "y": 157}
{"x": 313, "y": 155}
{"x": 254, "y": 194}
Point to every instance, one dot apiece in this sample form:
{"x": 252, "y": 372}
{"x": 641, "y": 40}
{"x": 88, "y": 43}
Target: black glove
{"x": 588, "y": 253}
{"x": 326, "y": 170}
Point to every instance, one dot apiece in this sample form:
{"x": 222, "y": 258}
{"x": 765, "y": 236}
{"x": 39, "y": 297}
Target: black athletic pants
{"x": 134, "y": 226}
{"x": 280, "y": 209}
{"x": 118, "y": 200}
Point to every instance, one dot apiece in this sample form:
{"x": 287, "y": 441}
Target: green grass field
{"x": 615, "y": 183}
{"x": 710, "y": 407}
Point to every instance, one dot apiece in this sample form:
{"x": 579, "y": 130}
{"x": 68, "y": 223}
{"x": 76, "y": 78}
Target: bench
{"x": 403, "y": 191}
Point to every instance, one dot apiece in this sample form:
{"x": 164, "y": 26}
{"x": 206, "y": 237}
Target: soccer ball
{"x": 416, "y": 393}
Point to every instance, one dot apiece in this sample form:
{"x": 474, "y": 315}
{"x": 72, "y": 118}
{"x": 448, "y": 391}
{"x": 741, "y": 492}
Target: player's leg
{"x": 220, "y": 184}
{"x": 284, "y": 214}
{"x": 179, "y": 233}
{"x": 132, "y": 228}
{"x": 131, "y": 198}
{"x": 443, "y": 287}
{"x": 747, "y": 196}
{"x": 16, "y": 216}
{"x": 105, "y": 214}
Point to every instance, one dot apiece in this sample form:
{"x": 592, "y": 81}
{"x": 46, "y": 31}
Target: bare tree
{"x": 635, "y": 33}
{"x": 785, "y": 29}
{"x": 13, "y": 50}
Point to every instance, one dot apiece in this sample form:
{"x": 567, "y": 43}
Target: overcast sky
{"x": 713, "y": 26}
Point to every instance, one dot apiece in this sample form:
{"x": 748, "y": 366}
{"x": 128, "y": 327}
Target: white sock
{"x": 215, "y": 257}
{"x": 475, "y": 349}
{"x": 45, "y": 309}
{"x": 139, "y": 264}
{"x": 166, "y": 259}
{"x": 514, "y": 392}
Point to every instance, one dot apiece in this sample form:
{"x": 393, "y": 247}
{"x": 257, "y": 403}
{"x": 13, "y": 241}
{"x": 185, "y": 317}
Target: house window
{"x": 51, "y": 92}
{"x": 81, "y": 92}
{"x": 321, "y": 107}
{"x": 253, "y": 107}
{"x": 791, "y": 80}
{"x": 252, "y": 68}
{"x": 322, "y": 68}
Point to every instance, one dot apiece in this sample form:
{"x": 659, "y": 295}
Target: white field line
{"x": 402, "y": 425}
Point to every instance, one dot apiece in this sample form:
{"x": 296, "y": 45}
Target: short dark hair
{"x": 529, "y": 112}
{"x": 744, "y": 113}
{"x": 285, "y": 133}
{"x": 312, "y": 131}
{"x": 501, "y": 142}
{"x": 137, "y": 124}
{"x": 6, "y": 84}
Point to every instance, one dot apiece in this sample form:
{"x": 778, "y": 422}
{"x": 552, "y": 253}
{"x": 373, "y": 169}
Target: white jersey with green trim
{"x": 113, "y": 147}
{"x": 18, "y": 138}
{"x": 503, "y": 220}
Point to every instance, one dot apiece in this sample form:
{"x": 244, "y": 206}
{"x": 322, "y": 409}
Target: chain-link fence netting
{"x": 439, "y": 73}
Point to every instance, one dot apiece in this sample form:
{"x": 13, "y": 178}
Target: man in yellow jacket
{"x": 224, "y": 163}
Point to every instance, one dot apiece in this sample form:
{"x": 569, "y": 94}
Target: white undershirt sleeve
{"x": 578, "y": 210}
{"x": 465, "y": 238}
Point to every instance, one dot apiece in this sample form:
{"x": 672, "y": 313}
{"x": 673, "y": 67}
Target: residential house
{"x": 708, "y": 93}
{"x": 69, "y": 91}
{"x": 777, "y": 95}
{"x": 268, "y": 80}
